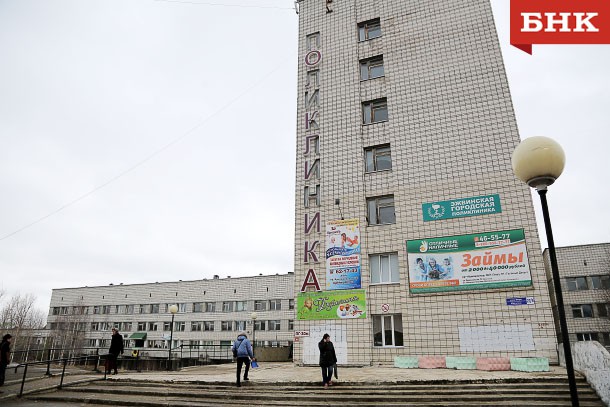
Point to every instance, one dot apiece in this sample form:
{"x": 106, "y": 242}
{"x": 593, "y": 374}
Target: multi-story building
{"x": 210, "y": 312}
{"x": 585, "y": 284}
{"x": 412, "y": 235}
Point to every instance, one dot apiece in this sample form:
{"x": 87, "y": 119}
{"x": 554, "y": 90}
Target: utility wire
{"x": 149, "y": 157}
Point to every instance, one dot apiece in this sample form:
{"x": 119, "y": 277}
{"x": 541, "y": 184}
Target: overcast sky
{"x": 145, "y": 140}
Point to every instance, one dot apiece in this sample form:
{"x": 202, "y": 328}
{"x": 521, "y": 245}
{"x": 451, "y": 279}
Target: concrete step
{"x": 126, "y": 392}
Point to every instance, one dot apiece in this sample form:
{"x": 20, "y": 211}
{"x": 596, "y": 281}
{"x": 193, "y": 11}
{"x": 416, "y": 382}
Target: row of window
{"x": 602, "y": 310}
{"x": 601, "y": 337}
{"x": 179, "y": 326}
{"x": 225, "y": 306}
{"x": 590, "y": 283}
{"x": 193, "y": 345}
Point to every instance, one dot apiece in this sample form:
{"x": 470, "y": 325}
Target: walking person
{"x": 116, "y": 347}
{"x": 5, "y": 356}
{"x": 328, "y": 359}
{"x": 242, "y": 351}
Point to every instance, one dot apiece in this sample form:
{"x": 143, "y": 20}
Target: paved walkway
{"x": 270, "y": 372}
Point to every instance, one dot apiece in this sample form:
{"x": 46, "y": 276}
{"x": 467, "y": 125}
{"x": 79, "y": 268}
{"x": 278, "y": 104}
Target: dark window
{"x": 600, "y": 282}
{"x": 577, "y": 284}
{"x": 375, "y": 111}
{"x": 381, "y": 210}
{"x": 371, "y": 68}
{"x": 582, "y": 311}
{"x": 378, "y": 158}
{"x": 387, "y": 330}
{"x": 368, "y": 30}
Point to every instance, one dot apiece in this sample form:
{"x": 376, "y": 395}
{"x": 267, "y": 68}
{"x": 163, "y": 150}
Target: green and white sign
{"x": 459, "y": 208}
{"x": 478, "y": 261}
{"x": 341, "y": 304}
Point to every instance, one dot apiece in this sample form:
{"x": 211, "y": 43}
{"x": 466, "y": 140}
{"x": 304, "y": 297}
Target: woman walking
{"x": 328, "y": 359}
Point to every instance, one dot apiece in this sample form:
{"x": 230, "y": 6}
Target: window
{"x": 378, "y": 158}
{"x": 180, "y": 326}
{"x": 181, "y": 307}
{"x": 198, "y": 307}
{"x": 227, "y": 306}
{"x": 226, "y": 326}
{"x": 105, "y": 309}
{"x": 381, "y": 210}
{"x": 208, "y": 325}
{"x": 259, "y": 325}
{"x": 291, "y": 303}
{"x": 603, "y": 310}
{"x": 167, "y": 326}
{"x": 141, "y": 326}
{"x": 582, "y": 311}
{"x": 240, "y": 306}
{"x": 129, "y": 309}
{"x": 387, "y": 330}
{"x": 197, "y": 326}
{"x": 587, "y": 336}
{"x": 290, "y": 324}
{"x": 144, "y": 308}
{"x": 240, "y": 325}
{"x": 127, "y": 326}
{"x": 97, "y": 309}
{"x": 275, "y": 305}
{"x": 120, "y": 309}
{"x": 154, "y": 308}
{"x": 313, "y": 41}
{"x": 384, "y": 268}
{"x": 577, "y": 284}
{"x": 369, "y": 30}
{"x": 375, "y": 111}
{"x": 274, "y": 325}
{"x": 605, "y": 339}
{"x": 210, "y": 307}
{"x": 371, "y": 68}
{"x": 601, "y": 282}
{"x": 259, "y": 305}
{"x": 56, "y": 311}
{"x": 152, "y": 326}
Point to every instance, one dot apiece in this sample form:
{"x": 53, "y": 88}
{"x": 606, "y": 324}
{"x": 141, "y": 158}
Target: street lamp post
{"x": 253, "y": 316}
{"x": 172, "y": 309}
{"x": 539, "y": 161}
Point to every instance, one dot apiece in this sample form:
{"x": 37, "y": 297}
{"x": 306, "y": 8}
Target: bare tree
{"x": 19, "y": 313}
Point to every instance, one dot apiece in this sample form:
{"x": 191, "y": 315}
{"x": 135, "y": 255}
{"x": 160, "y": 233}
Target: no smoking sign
{"x": 385, "y": 307}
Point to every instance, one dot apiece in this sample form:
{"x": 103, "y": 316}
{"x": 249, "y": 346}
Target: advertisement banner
{"x": 478, "y": 261}
{"x": 345, "y": 304}
{"x": 343, "y": 254}
{"x": 459, "y": 208}
{"x": 559, "y": 22}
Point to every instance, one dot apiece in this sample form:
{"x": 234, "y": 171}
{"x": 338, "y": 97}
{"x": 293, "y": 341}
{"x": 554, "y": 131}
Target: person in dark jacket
{"x": 242, "y": 350}
{"x": 328, "y": 359}
{"x": 116, "y": 347}
{"x": 5, "y": 356}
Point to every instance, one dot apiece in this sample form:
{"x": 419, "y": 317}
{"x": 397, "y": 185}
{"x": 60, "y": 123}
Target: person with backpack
{"x": 242, "y": 352}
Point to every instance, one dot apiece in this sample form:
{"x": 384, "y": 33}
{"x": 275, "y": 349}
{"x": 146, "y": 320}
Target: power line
{"x": 150, "y": 156}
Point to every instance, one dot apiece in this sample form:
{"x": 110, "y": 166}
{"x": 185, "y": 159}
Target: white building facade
{"x": 211, "y": 312}
{"x": 412, "y": 235}
{"x": 585, "y": 284}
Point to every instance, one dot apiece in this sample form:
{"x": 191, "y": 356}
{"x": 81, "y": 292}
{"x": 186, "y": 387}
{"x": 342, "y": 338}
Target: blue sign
{"x": 520, "y": 301}
{"x": 458, "y": 208}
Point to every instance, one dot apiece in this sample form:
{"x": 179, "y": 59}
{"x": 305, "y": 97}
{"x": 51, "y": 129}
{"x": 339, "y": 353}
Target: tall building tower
{"x": 413, "y": 237}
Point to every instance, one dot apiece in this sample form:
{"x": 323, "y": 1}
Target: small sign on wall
{"x": 520, "y": 301}
{"x": 301, "y": 333}
{"x": 385, "y": 307}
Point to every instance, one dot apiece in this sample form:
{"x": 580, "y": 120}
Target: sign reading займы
{"x": 339, "y": 304}
{"x": 469, "y": 262}
{"x": 458, "y": 208}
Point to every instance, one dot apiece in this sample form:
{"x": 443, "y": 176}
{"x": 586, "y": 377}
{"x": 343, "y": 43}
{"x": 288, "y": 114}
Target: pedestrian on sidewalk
{"x": 5, "y": 356}
{"x": 116, "y": 347}
{"x": 328, "y": 359}
{"x": 242, "y": 351}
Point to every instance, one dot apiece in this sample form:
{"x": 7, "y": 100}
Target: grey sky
{"x": 201, "y": 99}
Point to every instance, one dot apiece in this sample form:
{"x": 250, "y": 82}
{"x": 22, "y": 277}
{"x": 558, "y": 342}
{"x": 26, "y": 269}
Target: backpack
{"x": 235, "y": 348}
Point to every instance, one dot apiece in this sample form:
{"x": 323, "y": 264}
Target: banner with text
{"x": 459, "y": 208}
{"x": 346, "y": 304}
{"x": 343, "y": 254}
{"x": 478, "y": 261}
